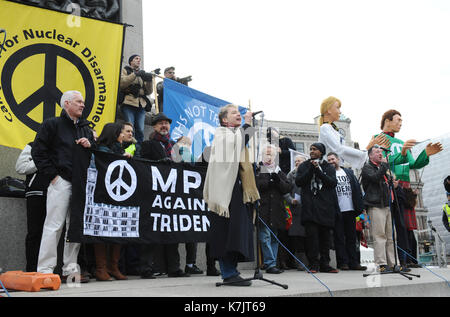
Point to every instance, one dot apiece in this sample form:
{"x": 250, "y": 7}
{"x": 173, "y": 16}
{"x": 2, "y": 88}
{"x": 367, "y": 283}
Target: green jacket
{"x": 400, "y": 164}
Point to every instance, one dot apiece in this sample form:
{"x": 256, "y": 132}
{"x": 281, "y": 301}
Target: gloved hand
{"x": 140, "y": 73}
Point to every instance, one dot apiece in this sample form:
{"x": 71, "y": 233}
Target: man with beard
{"x": 351, "y": 205}
{"x": 159, "y": 146}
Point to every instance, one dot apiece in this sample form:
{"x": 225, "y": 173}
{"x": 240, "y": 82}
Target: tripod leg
{"x": 285, "y": 286}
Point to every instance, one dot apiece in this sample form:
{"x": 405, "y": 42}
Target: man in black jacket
{"x": 317, "y": 180}
{"x": 377, "y": 198}
{"x": 166, "y": 257}
{"x": 52, "y": 153}
{"x": 351, "y": 205}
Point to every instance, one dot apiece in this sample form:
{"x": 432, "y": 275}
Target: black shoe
{"x": 212, "y": 272}
{"x": 358, "y": 268}
{"x": 159, "y": 273}
{"x": 133, "y": 272}
{"x": 274, "y": 270}
{"x": 237, "y": 281}
{"x": 193, "y": 270}
{"x": 148, "y": 275}
{"x": 178, "y": 273}
{"x": 283, "y": 266}
{"x": 328, "y": 269}
{"x": 343, "y": 267}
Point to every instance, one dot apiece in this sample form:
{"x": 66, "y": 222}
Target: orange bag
{"x": 30, "y": 281}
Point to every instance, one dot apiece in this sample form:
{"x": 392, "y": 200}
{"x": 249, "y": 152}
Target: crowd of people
{"x": 304, "y": 211}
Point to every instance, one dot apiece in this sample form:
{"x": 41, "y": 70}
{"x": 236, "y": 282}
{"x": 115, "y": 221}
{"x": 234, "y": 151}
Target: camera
{"x": 184, "y": 80}
{"x": 147, "y": 77}
{"x": 144, "y": 75}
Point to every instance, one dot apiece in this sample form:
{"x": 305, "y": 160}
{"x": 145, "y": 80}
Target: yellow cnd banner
{"x": 44, "y": 53}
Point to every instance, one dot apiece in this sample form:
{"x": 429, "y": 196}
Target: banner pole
{"x": 155, "y": 92}
{"x": 154, "y": 89}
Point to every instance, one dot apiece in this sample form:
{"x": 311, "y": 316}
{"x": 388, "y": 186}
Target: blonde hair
{"x": 325, "y": 106}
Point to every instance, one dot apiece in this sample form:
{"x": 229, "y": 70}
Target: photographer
{"x": 169, "y": 73}
{"x": 135, "y": 85}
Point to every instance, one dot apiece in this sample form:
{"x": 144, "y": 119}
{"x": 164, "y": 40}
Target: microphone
{"x": 256, "y": 113}
{"x": 383, "y": 148}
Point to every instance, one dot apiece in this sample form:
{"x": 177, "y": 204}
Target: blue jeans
{"x": 269, "y": 246}
{"x": 228, "y": 267}
{"x": 135, "y": 116}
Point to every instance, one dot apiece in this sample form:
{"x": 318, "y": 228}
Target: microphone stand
{"x": 258, "y": 275}
{"x": 396, "y": 269}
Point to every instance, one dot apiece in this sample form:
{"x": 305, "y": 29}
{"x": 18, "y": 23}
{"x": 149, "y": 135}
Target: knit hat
{"x": 131, "y": 58}
{"x": 320, "y": 147}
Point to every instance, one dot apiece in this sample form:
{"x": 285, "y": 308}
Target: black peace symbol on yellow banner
{"x": 48, "y": 94}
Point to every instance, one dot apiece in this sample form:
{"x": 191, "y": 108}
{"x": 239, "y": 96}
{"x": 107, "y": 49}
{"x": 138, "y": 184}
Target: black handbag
{"x": 12, "y": 187}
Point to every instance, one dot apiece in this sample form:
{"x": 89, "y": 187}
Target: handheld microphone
{"x": 256, "y": 113}
{"x": 383, "y": 148}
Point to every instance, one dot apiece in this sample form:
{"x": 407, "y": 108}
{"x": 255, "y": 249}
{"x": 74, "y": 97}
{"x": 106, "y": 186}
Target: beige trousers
{"x": 58, "y": 214}
{"x": 381, "y": 229}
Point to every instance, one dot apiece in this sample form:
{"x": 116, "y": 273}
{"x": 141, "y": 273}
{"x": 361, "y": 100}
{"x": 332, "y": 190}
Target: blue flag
{"x": 194, "y": 114}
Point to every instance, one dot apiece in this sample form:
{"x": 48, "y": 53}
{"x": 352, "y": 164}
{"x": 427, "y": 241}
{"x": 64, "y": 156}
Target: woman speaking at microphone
{"x": 229, "y": 186}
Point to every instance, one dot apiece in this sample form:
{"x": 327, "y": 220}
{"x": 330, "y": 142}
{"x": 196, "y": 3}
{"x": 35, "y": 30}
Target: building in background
{"x": 433, "y": 193}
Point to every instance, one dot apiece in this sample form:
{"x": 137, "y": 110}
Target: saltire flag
{"x": 124, "y": 200}
{"x": 44, "y": 53}
{"x": 194, "y": 114}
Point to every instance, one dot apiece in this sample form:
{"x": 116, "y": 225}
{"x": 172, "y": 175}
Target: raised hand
{"x": 408, "y": 145}
{"x": 381, "y": 140}
{"x": 434, "y": 148}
